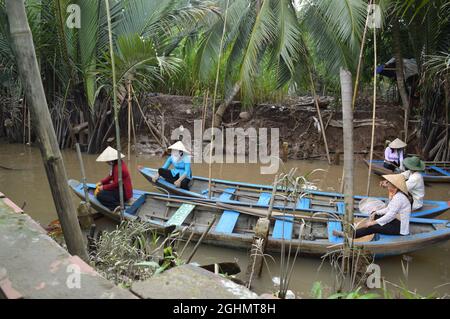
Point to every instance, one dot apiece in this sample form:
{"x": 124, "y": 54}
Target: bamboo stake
{"x": 29, "y": 126}
{"x": 358, "y": 70}
{"x": 29, "y": 73}
{"x": 134, "y": 132}
{"x": 272, "y": 198}
{"x": 205, "y": 110}
{"x": 116, "y": 110}
{"x": 24, "y": 117}
{"x": 372, "y": 141}
{"x": 201, "y": 240}
{"x": 446, "y": 105}
{"x": 214, "y": 98}
{"x": 316, "y": 102}
{"x": 161, "y": 141}
{"x": 129, "y": 118}
{"x": 83, "y": 174}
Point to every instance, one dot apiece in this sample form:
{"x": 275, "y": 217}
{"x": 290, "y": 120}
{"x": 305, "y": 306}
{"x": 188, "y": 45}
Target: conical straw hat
{"x": 397, "y": 143}
{"x": 108, "y": 155}
{"x": 398, "y": 180}
{"x": 179, "y": 146}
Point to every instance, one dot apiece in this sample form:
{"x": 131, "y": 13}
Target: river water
{"x": 429, "y": 269}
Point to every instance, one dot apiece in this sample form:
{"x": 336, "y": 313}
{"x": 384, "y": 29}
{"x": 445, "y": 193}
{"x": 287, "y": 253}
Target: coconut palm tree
{"x": 259, "y": 35}
{"x": 72, "y": 61}
{"x": 336, "y": 28}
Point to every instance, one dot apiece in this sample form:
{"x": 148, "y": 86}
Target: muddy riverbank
{"x": 296, "y": 119}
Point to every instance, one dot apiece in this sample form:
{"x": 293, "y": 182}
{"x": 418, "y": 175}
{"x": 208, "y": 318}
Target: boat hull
{"x": 158, "y": 209}
{"x": 247, "y": 194}
{"x": 429, "y": 176}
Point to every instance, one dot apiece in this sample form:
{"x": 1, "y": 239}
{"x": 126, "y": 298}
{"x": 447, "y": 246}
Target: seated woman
{"x": 393, "y": 155}
{"x": 108, "y": 188}
{"x": 393, "y": 219}
{"x": 414, "y": 180}
{"x": 180, "y": 175}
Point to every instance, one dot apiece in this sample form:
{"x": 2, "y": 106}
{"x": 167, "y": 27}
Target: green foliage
{"x": 126, "y": 254}
{"x": 317, "y": 293}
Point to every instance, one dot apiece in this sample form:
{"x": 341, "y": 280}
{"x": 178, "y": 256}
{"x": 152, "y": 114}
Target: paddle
{"x": 247, "y": 210}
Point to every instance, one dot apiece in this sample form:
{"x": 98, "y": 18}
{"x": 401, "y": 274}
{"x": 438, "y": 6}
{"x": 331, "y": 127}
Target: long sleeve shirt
{"x": 393, "y": 155}
{"x": 111, "y": 182}
{"x": 181, "y": 167}
{"x": 399, "y": 207}
{"x": 416, "y": 187}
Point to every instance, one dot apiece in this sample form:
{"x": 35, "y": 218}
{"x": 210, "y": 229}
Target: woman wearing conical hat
{"x": 180, "y": 175}
{"x": 414, "y": 180}
{"x": 394, "y": 218}
{"x": 393, "y": 155}
{"x": 108, "y": 188}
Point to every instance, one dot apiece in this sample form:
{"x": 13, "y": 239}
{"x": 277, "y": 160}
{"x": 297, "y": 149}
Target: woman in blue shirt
{"x": 180, "y": 175}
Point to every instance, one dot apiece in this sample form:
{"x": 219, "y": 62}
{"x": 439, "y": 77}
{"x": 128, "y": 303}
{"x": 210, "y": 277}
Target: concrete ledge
{"x": 190, "y": 282}
{"x": 32, "y": 265}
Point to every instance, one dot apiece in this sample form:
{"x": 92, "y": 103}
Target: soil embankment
{"x": 296, "y": 120}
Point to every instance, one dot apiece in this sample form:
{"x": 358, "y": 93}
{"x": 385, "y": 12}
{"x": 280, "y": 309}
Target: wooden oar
{"x": 248, "y": 210}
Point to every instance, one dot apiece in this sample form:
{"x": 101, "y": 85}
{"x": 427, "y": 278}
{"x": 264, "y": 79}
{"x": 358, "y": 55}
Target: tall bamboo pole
{"x": 214, "y": 99}
{"x": 361, "y": 51}
{"x": 400, "y": 73}
{"x": 116, "y": 108}
{"x": 129, "y": 119}
{"x": 374, "y": 108}
{"x": 54, "y": 166}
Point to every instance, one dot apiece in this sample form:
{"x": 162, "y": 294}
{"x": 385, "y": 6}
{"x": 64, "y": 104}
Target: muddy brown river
{"x": 429, "y": 269}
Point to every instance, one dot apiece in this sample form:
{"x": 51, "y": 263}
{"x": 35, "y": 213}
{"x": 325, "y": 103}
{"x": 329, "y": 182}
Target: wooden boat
{"x": 255, "y": 195}
{"x": 435, "y": 172}
{"x": 194, "y": 216}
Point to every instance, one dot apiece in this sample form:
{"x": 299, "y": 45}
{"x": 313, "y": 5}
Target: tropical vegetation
{"x": 269, "y": 49}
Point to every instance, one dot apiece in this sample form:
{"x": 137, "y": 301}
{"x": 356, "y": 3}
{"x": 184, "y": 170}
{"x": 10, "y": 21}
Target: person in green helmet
{"x": 414, "y": 180}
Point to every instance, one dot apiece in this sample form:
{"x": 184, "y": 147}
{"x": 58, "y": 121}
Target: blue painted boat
{"x": 435, "y": 172}
{"x": 192, "y": 216}
{"x": 256, "y": 195}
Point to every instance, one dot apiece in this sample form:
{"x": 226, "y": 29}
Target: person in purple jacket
{"x": 393, "y": 155}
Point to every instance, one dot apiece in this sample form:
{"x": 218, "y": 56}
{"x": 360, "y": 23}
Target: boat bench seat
{"x": 264, "y": 199}
{"x": 283, "y": 228}
{"x": 440, "y": 170}
{"x": 133, "y": 208}
{"x": 336, "y": 225}
{"x": 229, "y": 217}
{"x": 180, "y": 215}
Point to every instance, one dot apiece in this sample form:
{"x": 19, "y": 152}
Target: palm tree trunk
{"x": 399, "y": 71}
{"x": 347, "y": 119}
{"x": 218, "y": 116}
{"x": 48, "y": 144}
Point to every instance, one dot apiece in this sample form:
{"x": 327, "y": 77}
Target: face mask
{"x": 176, "y": 155}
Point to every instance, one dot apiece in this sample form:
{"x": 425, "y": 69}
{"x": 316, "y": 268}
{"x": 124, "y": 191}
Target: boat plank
{"x": 336, "y": 225}
{"x": 440, "y": 170}
{"x": 229, "y": 217}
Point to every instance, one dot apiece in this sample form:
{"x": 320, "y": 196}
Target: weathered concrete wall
{"x": 190, "y": 282}
{"x": 32, "y": 265}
